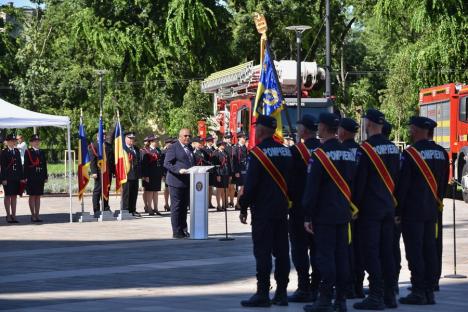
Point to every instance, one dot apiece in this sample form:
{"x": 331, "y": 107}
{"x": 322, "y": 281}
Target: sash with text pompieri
{"x": 304, "y": 152}
{"x": 272, "y": 170}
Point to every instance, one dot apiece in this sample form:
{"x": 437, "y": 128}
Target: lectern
{"x": 199, "y": 201}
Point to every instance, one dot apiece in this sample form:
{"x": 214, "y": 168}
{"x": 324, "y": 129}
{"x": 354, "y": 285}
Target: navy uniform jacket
{"x": 151, "y": 163}
{"x": 175, "y": 159}
{"x": 261, "y": 192}
{"x": 239, "y": 159}
{"x": 323, "y": 202}
{"x": 135, "y": 163}
{"x": 415, "y": 199}
{"x": 93, "y": 158}
{"x": 221, "y": 160}
{"x": 35, "y": 165}
{"x": 201, "y": 157}
{"x": 371, "y": 196}
{"x": 353, "y": 146}
{"x": 299, "y": 173}
{"x": 11, "y": 166}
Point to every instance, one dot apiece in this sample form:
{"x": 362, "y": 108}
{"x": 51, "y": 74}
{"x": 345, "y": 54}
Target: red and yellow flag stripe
{"x": 304, "y": 152}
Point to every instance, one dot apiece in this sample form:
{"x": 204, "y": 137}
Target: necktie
{"x": 189, "y": 154}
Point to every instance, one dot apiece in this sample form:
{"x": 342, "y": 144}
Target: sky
{"x": 18, "y": 3}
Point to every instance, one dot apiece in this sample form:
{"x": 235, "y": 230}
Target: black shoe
{"x": 317, "y": 307}
{"x": 158, "y": 213}
{"x": 187, "y": 234}
{"x": 370, "y": 303}
{"x": 430, "y": 297}
{"x": 179, "y": 236}
{"x": 167, "y": 208}
{"x": 340, "y": 306}
{"x": 301, "y": 296}
{"x": 211, "y": 206}
{"x": 257, "y": 301}
{"x": 436, "y": 287}
{"x": 219, "y": 208}
{"x": 280, "y": 298}
{"x": 414, "y": 298}
{"x": 136, "y": 214}
{"x": 390, "y": 300}
{"x": 230, "y": 205}
{"x": 351, "y": 293}
{"x": 359, "y": 292}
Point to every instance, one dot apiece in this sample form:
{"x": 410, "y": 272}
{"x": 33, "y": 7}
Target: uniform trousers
{"x": 439, "y": 247}
{"x": 270, "y": 237}
{"x": 377, "y": 237}
{"x": 331, "y": 243}
{"x": 97, "y": 195}
{"x": 397, "y": 251}
{"x": 421, "y": 253}
{"x": 303, "y": 252}
{"x": 130, "y": 195}
{"x": 180, "y": 199}
{"x": 356, "y": 261}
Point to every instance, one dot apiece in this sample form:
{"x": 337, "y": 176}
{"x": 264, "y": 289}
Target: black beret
{"x": 168, "y": 140}
{"x": 349, "y": 124}
{"x": 196, "y": 140}
{"x": 375, "y": 115}
{"x": 34, "y": 137}
{"x": 386, "y": 129}
{"x": 329, "y": 119}
{"x": 219, "y": 143}
{"x": 240, "y": 134}
{"x": 308, "y": 121}
{"x": 228, "y": 135}
{"x": 11, "y": 137}
{"x": 209, "y": 138}
{"x": 266, "y": 121}
{"x": 422, "y": 122}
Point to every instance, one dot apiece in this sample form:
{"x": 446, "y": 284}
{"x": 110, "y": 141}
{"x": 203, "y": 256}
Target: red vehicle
{"x": 447, "y": 104}
{"x": 234, "y": 91}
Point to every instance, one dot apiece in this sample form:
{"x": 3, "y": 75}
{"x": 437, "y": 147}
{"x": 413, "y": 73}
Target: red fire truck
{"x": 234, "y": 91}
{"x": 447, "y": 104}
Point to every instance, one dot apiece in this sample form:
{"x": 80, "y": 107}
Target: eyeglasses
{"x": 187, "y": 136}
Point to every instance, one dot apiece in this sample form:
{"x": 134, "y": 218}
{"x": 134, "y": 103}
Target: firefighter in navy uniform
{"x": 209, "y": 149}
{"x": 439, "y": 240}
{"x": 302, "y": 246}
{"x": 420, "y": 192}
{"x": 327, "y": 207}
{"x": 130, "y": 189}
{"x": 347, "y": 136}
{"x": 239, "y": 162}
{"x": 11, "y": 173}
{"x": 35, "y": 173}
{"x": 96, "y": 175}
{"x": 378, "y": 169}
{"x": 267, "y": 195}
{"x": 199, "y": 153}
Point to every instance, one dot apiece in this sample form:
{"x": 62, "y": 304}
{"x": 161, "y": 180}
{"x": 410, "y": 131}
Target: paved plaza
{"x": 134, "y": 265}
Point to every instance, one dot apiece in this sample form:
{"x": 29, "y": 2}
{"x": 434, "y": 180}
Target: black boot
{"x": 340, "y": 301}
{"x": 430, "y": 297}
{"x": 359, "y": 291}
{"x": 301, "y": 295}
{"x": 374, "y": 300}
{"x": 389, "y": 297}
{"x": 281, "y": 297}
{"x": 260, "y": 299}
{"x": 416, "y": 297}
{"x": 323, "y": 303}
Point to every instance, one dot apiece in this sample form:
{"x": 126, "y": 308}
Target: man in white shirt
{"x": 21, "y": 146}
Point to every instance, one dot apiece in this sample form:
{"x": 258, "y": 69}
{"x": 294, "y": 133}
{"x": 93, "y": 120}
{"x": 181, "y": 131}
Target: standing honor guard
{"x": 378, "y": 169}
{"x": 201, "y": 156}
{"x": 151, "y": 172}
{"x": 11, "y": 173}
{"x": 302, "y": 242}
{"x": 223, "y": 170}
{"x": 328, "y": 208}
{"x": 346, "y": 135}
{"x": 130, "y": 189}
{"x": 231, "y": 188}
{"x": 239, "y": 162}
{"x": 421, "y": 188}
{"x": 266, "y": 192}
{"x": 35, "y": 173}
{"x": 96, "y": 175}
{"x": 209, "y": 149}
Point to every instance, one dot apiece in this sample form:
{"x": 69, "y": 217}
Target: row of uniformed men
{"x": 340, "y": 192}
{"x": 147, "y": 163}
{"x": 17, "y": 177}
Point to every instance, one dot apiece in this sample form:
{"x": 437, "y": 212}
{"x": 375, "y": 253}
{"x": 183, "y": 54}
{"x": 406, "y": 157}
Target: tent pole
{"x": 69, "y": 172}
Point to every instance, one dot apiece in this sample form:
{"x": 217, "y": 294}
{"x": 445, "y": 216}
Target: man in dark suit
{"x": 179, "y": 157}
{"x": 130, "y": 189}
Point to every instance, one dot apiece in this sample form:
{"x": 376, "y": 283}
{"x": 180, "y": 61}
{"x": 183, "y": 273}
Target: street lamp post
{"x": 299, "y": 29}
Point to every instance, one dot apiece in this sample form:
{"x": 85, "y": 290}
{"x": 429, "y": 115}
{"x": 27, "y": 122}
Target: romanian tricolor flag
{"x": 269, "y": 99}
{"x": 102, "y": 160}
{"x": 83, "y": 160}
{"x": 122, "y": 164}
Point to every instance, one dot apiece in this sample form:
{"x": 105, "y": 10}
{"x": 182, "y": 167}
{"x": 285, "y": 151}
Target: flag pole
{"x": 101, "y": 139}
{"x": 82, "y": 197}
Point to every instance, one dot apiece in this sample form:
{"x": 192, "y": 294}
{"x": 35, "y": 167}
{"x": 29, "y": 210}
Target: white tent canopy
{"x": 12, "y": 116}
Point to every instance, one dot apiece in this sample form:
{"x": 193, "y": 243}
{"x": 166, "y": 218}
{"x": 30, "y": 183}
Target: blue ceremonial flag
{"x": 269, "y": 100}
{"x": 83, "y": 159}
{"x": 100, "y": 138}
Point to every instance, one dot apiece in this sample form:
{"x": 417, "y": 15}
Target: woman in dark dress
{"x": 35, "y": 173}
{"x": 152, "y": 170}
{"x": 221, "y": 160}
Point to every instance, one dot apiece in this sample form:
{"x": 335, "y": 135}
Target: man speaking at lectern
{"x": 179, "y": 158}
